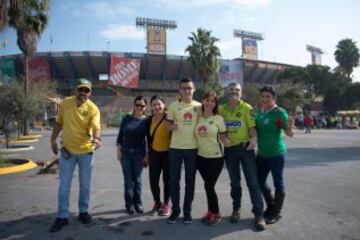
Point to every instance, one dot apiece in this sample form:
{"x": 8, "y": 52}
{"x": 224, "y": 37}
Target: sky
{"x": 287, "y": 26}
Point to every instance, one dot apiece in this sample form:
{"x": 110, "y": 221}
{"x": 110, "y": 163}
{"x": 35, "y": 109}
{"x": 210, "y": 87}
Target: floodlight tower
{"x": 249, "y": 43}
{"x": 156, "y": 33}
{"x": 315, "y": 54}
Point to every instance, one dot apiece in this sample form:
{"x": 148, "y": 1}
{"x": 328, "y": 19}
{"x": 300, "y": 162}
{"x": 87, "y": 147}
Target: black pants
{"x": 159, "y": 161}
{"x": 210, "y": 169}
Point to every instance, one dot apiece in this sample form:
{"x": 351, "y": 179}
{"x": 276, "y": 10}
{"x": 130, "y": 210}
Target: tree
{"x": 332, "y": 100}
{"x": 351, "y": 97}
{"x": 347, "y": 55}
{"x": 29, "y": 18}
{"x": 11, "y": 105}
{"x": 203, "y": 54}
{"x": 251, "y": 94}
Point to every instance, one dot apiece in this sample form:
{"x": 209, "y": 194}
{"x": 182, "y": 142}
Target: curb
{"x": 16, "y": 169}
{"x": 20, "y": 141}
{"x": 15, "y": 150}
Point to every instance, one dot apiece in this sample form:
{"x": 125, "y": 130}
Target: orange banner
{"x": 124, "y": 72}
{"x": 39, "y": 70}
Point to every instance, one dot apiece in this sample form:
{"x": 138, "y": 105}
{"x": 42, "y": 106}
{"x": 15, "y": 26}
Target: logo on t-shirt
{"x": 202, "y": 131}
{"x": 233, "y": 124}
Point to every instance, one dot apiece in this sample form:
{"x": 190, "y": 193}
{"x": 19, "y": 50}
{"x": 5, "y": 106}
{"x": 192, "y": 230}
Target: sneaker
{"x": 206, "y": 217}
{"x": 260, "y": 223}
{"x": 130, "y": 210}
{"x": 214, "y": 218}
{"x": 173, "y": 218}
{"x": 165, "y": 210}
{"x": 59, "y": 224}
{"x": 139, "y": 209}
{"x": 85, "y": 218}
{"x": 187, "y": 218}
{"x": 155, "y": 210}
{"x": 235, "y": 216}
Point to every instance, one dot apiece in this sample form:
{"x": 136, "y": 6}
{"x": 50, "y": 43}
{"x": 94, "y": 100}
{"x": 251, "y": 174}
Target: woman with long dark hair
{"x": 159, "y": 143}
{"x": 132, "y": 154}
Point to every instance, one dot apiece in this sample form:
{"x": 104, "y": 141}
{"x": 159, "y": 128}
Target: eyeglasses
{"x": 85, "y": 90}
{"x": 140, "y": 106}
{"x": 186, "y": 88}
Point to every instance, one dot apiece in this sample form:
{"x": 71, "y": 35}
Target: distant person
{"x": 308, "y": 122}
{"x": 159, "y": 143}
{"x": 79, "y": 120}
{"x": 301, "y": 121}
{"x": 240, "y": 124}
{"x": 132, "y": 154}
{"x": 271, "y": 122}
{"x": 182, "y": 118}
{"x": 211, "y": 135}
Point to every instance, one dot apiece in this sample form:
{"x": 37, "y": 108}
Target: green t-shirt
{"x": 238, "y": 120}
{"x": 269, "y": 126}
{"x": 185, "y": 115}
{"x": 207, "y": 132}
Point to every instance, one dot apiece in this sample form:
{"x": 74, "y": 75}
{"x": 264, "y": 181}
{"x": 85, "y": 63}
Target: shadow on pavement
{"x": 117, "y": 225}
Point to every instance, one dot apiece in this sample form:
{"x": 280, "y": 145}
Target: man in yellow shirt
{"x": 182, "y": 117}
{"x": 240, "y": 124}
{"x": 79, "y": 120}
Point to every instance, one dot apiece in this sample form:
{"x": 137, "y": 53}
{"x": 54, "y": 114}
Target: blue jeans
{"x": 176, "y": 158}
{"x": 67, "y": 166}
{"x": 233, "y": 156}
{"x": 275, "y": 165}
{"x": 132, "y": 165}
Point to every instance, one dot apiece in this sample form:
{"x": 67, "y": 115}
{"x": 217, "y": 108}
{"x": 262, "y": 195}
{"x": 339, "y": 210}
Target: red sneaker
{"x": 214, "y": 218}
{"x": 206, "y": 217}
{"x": 164, "y": 210}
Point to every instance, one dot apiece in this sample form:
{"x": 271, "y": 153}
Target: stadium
{"x": 157, "y": 74}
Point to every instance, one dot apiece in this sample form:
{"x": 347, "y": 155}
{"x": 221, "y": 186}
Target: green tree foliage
{"x": 347, "y": 55}
{"x": 203, "y": 55}
{"x": 332, "y": 100}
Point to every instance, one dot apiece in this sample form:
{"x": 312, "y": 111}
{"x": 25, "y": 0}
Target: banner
{"x": 230, "y": 71}
{"x": 124, "y": 72}
{"x": 156, "y": 41}
{"x": 250, "y": 50}
{"x": 7, "y": 69}
{"x": 39, "y": 70}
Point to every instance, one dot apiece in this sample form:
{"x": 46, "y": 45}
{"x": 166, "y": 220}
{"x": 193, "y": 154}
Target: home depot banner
{"x": 124, "y": 72}
{"x": 229, "y": 72}
{"x": 39, "y": 70}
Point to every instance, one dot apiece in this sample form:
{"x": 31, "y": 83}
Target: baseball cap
{"x": 84, "y": 83}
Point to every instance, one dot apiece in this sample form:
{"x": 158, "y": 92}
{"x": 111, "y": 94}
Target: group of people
{"x": 203, "y": 136}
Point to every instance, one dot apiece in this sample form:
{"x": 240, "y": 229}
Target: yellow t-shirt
{"x": 185, "y": 115}
{"x": 207, "y": 133}
{"x": 161, "y": 139}
{"x": 77, "y": 124}
{"x": 238, "y": 120}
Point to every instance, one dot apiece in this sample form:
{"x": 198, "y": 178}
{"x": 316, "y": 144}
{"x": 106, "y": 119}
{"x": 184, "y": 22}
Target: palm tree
{"x": 347, "y": 55}
{"x": 203, "y": 54}
{"x": 29, "y": 18}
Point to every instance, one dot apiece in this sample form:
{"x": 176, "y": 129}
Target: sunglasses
{"x": 140, "y": 106}
{"x": 85, "y": 90}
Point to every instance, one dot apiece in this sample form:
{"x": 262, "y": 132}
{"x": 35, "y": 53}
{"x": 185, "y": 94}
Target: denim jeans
{"x": 176, "y": 158}
{"x": 275, "y": 165}
{"x": 233, "y": 156}
{"x": 131, "y": 162}
{"x": 67, "y": 166}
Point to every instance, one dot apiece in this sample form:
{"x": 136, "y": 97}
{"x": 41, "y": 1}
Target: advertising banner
{"x": 250, "y": 50}
{"x": 230, "y": 71}
{"x": 124, "y": 72}
{"x": 156, "y": 41}
{"x": 39, "y": 70}
{"x": 7, "y": 69}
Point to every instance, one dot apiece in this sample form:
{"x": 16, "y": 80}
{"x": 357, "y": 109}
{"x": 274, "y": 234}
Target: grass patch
{"x": 6, "y": 163}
